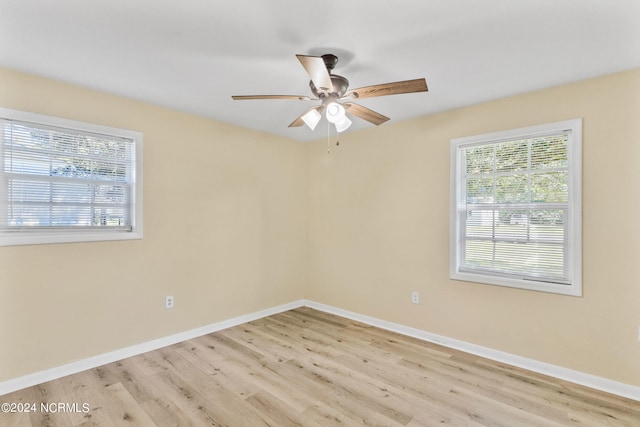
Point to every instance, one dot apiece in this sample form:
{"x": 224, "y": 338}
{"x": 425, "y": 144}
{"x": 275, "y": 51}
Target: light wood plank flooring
{"x": 308, "y": 368}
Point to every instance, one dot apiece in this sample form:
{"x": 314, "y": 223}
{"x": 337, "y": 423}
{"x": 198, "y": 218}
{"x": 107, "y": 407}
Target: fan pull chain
{"x": 328, "y": 138}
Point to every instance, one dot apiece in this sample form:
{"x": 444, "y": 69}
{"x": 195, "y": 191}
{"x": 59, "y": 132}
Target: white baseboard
{"x": 134, "y": 350}
{"x": 588, "y": 380}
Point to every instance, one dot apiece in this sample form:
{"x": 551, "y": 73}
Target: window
{"x": 67, "y": 181}
{"x": 516, "y": 208}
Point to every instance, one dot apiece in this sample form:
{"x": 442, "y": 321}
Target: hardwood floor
{"x": 308, "y": 368}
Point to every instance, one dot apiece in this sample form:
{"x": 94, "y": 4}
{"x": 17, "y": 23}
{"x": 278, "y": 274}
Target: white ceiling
{"x": 192, "y": 55}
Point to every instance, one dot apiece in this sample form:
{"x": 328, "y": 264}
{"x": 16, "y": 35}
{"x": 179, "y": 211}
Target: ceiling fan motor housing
{"x": 340, "y": 86}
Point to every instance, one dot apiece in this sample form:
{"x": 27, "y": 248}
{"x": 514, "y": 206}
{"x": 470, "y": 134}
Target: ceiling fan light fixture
{"x": 335, "y": 112}
{"x": 343, "y": 124}
{"x": 311, "y": 118}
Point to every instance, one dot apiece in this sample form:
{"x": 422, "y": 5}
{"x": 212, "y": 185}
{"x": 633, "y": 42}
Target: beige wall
{"x": 268, "y": 221}
{"x": 378, "y": 229}
{"x": 224, "y": 232}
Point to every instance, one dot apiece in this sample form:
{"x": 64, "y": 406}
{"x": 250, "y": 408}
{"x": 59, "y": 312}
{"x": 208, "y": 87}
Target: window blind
{"x": 514, "y": 208}
{"x": 58, "y": 178}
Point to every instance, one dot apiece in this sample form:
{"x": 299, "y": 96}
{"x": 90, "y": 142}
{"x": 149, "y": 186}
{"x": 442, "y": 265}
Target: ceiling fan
{"x": 330, "y": 89}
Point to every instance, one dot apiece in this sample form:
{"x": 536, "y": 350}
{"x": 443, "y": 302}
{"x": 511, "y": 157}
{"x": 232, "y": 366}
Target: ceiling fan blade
{"x": 246, "y": 97}
{"x": 406, "y": 86}
{"x": 317, "y": 70}
{"x": 365, "y": 113}
{"x": 297, "y": 122}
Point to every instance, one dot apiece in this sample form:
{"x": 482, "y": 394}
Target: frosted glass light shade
{"x": 343, "y": 124}
{"x": 311, "y": 118}
{"x": 335, "y": 112}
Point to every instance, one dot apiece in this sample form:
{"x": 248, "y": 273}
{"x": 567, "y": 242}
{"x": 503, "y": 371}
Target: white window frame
{"x": 574, "y": 240}
{"x": 33, "y": 237}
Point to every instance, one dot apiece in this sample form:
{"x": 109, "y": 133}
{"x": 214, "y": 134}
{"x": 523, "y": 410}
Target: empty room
{"x": 278, "y": 213}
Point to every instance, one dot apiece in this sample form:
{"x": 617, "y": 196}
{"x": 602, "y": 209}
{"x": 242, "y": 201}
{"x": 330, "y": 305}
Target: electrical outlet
{"x": 168, "y": 301}
{"x": 415, "y": 297}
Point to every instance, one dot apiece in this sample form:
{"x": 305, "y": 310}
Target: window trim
{"x": 81, "y": 235}
{"x": 574, "y": 288}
